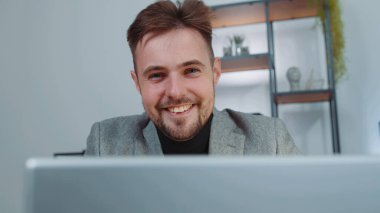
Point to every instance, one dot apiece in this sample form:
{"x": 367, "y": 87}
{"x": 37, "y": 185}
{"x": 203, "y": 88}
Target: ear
{"x": 136, "y": 80}
{"x": 217, "y": 70}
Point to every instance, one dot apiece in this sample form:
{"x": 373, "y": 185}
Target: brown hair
{"x": 163, "y": 16}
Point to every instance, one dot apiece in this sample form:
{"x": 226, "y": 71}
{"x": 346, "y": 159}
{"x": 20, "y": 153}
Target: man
{"x": 176, "y": 73}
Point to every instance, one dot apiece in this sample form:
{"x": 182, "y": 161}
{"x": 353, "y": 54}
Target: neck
{"x": 197, "y": 145}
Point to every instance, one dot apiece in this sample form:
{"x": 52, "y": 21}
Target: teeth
{"x": 180, "y": 108}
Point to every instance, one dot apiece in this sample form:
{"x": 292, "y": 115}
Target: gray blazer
{"x": 232, "y": 133}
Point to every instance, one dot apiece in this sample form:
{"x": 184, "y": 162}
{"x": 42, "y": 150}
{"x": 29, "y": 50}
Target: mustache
{"x": 172, "y": 102}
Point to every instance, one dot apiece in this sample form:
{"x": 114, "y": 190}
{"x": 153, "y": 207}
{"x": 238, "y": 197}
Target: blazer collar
{"x": 152, "y": 141}
{"x": 225, "y": 137}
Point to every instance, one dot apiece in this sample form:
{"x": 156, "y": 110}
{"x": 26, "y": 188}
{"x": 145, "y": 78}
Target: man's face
{"x": 176, "y": 81}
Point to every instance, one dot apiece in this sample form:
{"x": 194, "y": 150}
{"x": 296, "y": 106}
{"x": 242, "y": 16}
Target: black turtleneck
{"x": 197, "y": 145}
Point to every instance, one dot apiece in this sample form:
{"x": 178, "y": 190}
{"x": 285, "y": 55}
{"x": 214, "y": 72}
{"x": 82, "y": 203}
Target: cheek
{"x": 150, "y": 96}
{"x": 204, "y": 89}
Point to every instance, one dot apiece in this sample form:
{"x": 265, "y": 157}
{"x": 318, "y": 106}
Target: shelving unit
{"x": 267, "y": 11}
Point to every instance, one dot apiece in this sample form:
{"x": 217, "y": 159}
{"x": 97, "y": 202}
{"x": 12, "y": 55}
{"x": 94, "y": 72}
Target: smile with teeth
{"x": 179, "y": 109}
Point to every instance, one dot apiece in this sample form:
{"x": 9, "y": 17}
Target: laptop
{"x": 203, "y": 184}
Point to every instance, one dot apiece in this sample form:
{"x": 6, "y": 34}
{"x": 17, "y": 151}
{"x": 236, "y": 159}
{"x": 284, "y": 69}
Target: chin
{"x": 181, "y": 132}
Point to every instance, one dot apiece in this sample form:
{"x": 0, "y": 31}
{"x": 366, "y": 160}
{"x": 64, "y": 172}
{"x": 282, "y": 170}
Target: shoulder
{"x": 115, "y": 136}
{"x": 125, "y": 122}
{"x": 263, "y": 134}
{"x": 256, "y": 124}
{"x": 250, "y": 120}
{"x": 123, "y": 125}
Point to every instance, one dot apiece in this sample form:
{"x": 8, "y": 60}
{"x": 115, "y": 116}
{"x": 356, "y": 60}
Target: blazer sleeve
{"x": 93, "y": 141}
{"x": 285, "y": 143}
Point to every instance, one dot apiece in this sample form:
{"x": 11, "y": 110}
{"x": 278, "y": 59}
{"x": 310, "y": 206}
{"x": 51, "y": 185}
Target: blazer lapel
{"x": 151, "y": 144}
{"x": 225, "y": 137}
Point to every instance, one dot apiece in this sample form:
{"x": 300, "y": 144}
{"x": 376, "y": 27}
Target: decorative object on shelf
{"x": 244, "y": 51}
{"x": 294, "y": 76}
{"x": 338, "y": 41}
{"x": 236, "y": 47}
{"x": 314, "y": 82}
{"x": 227, "y": 51}
{"x": 238, "y": 41}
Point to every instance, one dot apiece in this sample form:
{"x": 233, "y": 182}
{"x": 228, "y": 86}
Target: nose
{"x": 175, "y": 87}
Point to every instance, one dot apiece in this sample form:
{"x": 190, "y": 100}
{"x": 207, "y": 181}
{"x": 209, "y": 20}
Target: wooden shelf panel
{"x": 239, "y": 14}
{"x": 303, "y": 96}
{"x": 254, "y": 12}
{"x": 244, "y": 63}
{"x": 291, "y": 9}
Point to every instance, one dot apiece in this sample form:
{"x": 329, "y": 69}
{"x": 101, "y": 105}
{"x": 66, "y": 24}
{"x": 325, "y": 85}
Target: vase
{"x": 294, "y": 76}
{"x": 238, "y": 47}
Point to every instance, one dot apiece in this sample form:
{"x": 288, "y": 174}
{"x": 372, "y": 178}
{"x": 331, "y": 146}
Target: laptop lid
{"x": 203, "y": 184}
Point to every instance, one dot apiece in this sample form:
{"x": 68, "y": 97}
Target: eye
{"x": 192, "y": 71}
{"x": 156, "y": 76}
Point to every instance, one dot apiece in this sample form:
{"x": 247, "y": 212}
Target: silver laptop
{"x": 203, "y": 184}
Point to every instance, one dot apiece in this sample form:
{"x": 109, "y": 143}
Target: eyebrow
{"x": 184, "y": 64}
{"x": 192, "y": 62}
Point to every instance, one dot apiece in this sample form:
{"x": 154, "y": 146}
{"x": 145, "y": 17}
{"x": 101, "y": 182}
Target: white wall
{"x": 65, "y": 64}
{"x": 358, "y": 94}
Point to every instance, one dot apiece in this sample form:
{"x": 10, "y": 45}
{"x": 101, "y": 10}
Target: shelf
{"x": 254, "y": 12}
{"x": 244, "y": 63}
{"x": 238, "y": 14}
{"x": 291, "y": 9}
{"x": 303, "y": 96}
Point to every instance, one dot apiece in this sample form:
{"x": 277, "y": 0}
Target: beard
{"x": 181, "y": 129}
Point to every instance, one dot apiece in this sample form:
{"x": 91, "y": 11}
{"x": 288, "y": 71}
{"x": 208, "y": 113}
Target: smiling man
{"x": 175, "y": 72}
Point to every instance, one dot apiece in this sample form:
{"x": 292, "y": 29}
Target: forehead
{"x": 170, "y": 48}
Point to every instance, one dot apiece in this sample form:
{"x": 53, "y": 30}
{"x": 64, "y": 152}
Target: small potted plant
{"x": 238, "y": 40}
